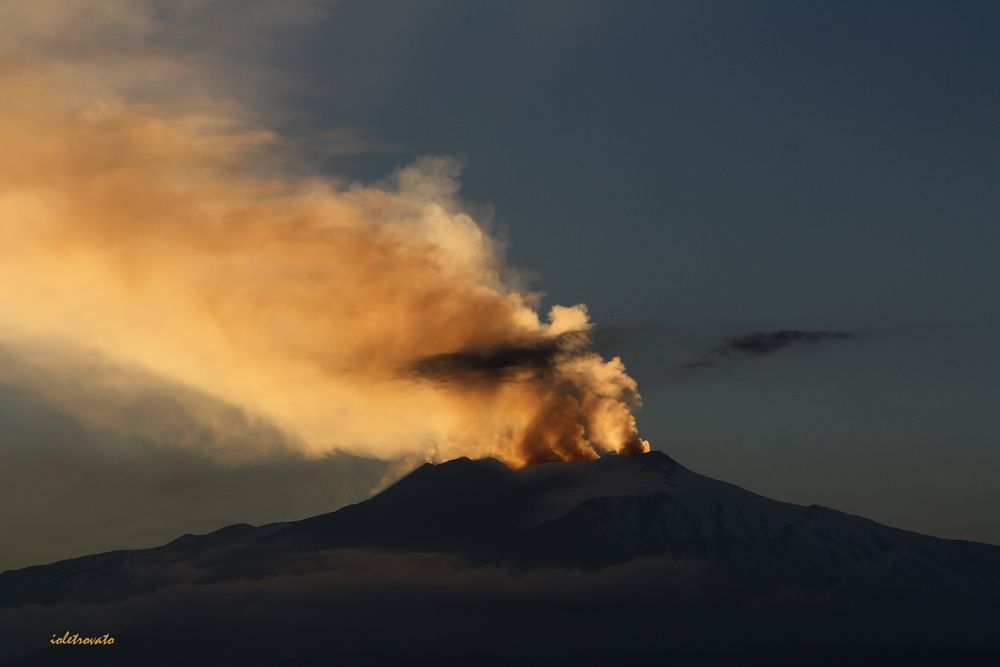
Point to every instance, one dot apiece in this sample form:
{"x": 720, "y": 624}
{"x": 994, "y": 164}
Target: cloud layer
{"x": 380, "y": 608}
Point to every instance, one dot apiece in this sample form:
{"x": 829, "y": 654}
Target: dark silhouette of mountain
{"x": 586, "y": 515}
{"x": 636, "y": 557}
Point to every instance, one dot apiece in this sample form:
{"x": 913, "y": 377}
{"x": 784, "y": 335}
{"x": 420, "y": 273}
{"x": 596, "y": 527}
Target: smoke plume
{"x": 379, "y": 319}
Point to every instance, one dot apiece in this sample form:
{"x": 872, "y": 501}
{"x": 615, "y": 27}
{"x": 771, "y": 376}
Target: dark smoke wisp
{"x": 762, "y": 343}
{"x": 535, "y": 361}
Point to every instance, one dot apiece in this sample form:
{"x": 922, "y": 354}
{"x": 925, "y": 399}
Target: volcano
{"x": 662, "y": 541}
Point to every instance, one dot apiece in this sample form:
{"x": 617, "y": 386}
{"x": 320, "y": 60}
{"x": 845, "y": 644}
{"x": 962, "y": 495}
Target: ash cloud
{"x": 164, "y": 226}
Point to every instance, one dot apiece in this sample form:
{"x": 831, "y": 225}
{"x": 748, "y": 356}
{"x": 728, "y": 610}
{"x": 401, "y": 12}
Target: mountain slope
{"x": 585, "y": 515}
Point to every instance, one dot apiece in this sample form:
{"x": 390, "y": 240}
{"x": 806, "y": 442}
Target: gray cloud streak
{"x": 762, "y": 343}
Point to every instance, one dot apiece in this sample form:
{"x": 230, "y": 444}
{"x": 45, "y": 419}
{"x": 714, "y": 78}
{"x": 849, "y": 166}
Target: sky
{"x": 781, "y": 216}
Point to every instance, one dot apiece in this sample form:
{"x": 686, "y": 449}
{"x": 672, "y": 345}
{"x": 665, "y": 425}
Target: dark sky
{"x": 696, "y": 173}
{"x": 768, "y": 161}
{"x": 823, "y": 164}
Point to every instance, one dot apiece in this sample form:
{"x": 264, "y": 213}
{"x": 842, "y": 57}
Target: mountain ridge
{"x": 587, "y": 515}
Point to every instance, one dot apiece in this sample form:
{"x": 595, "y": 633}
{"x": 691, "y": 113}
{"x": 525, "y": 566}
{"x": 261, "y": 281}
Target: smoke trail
{"x": 369, "y": 318}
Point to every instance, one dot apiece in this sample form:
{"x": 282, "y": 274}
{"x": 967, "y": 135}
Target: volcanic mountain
{"x": 633, "y": 540}
{"x": 582, "y": 515}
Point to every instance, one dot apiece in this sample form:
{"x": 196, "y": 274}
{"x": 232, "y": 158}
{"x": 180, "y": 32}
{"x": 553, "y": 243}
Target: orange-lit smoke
{"x": 374, "y": 319}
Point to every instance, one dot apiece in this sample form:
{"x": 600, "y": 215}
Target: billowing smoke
{"x": 378, "y": 319}
{"x": 582, "y": 402}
